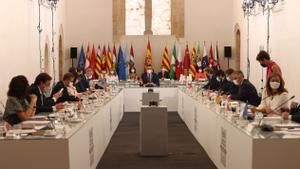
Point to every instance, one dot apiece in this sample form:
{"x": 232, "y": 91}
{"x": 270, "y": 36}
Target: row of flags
{"x": 121, "y": 62}
{"x": 107, "y": 60}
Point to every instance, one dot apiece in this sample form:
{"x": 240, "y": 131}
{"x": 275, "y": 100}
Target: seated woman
{"x": 274, "y": 97}
{"x": 132, "y": 74}
{"x": 19, "y": 105}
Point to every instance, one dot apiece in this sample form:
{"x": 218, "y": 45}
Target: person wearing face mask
{"x": 225, "y": 85}
{"x": 185, "y": 77}
{"x": 212, "y": 84}
{"x": 112, "y": 77}
{"x": 44, "y": 104}
{"x": 233, "y": 89}
{"x": 61, "y": 86}
{"x": 150, "y": 78}
{"x": 265, "y": 61}
{"x": 273, "y": 96}
{"x": 132, "y": 74}
{"x": 164, "y": 74}
{"x": 84, "y": 82}
{"x": 246, "y": 90}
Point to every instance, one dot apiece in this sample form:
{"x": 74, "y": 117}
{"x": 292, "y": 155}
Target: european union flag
{"x": 121, "y": 65}
{"x": 81, "y": 61}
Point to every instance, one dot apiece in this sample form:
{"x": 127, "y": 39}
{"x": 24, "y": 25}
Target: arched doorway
{"x": 237, "y": 47}
{"x": 61, "y": 58}
{"x": 47, "y": 65}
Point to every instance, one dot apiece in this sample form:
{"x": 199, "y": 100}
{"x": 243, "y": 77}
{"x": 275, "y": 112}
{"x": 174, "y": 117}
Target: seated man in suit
{"x": 150, "y": 78}
{"x": 164, "y": 74}
{"x": 43, "y": 103}
{"x": 233, "y": 89}
{"x": 61, "y": 86}
{"x": 212, "y": 84}
{"x": 224, "y": 83}
{"x": 84, "y": 81}
{"x": 246, "y": 91}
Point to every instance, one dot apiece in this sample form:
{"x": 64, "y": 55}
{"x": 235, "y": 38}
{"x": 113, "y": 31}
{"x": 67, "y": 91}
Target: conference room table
{"x": 226, "y": 140}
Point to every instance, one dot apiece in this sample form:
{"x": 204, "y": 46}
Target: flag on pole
{"x": 148, "y": 58}
{"x": 211, "y": 57}
{"x": 178, "y": 64}
{"x": 92, "y": 59}
{"x": 121, "y": 65}
{"x": 98, "y": 63}
{"x": 173, "y": 62}
{"x": 217, "y": 56}
{"x": 204, "y": 61}
{"x": 199, "y": 57}
{"x": 166, "y": 59}
{"x": 126, "y": 58}
{"x": 87, "y": 57}
{"x": 103, "y": 59}
{"x": 114, "y": 57}
{"x": 109, "y": 61}
{"x": 187, "y": 59}
{"x": 81, "y": 60}
{"x": 193, "y": 70}
{"x": 131, "y": 62}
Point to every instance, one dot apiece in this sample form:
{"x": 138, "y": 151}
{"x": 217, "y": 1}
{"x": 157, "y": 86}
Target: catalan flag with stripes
{"x": 114, "y": 57}
{"x": 98, "y": 63}
{"x": 148, "y": 58}
{"x": 193, "y": 69}
{"x": 109, "y": 61}
{"x": 166, "y": 59}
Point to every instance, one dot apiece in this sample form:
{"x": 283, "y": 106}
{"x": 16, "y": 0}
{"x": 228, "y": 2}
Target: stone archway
{"x": 237, "y": 33}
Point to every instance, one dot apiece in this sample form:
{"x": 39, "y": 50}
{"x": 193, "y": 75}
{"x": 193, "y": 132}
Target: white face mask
{"x": 71, "y": 84}
{"x": 200, "y": 71}
{"x": 236, "y": 82}
{"x": 132, "y": 71}
{"x": 149, "y": 71}
{"x": 199, "y": 64}
{"x": 275, "y": 85}
{"x": 163, "y": 70}
{"x": 228, "y": 79}
{"x": 218, "y": 79}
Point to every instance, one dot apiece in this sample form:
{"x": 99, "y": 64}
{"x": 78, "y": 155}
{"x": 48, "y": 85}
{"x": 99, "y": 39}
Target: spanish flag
{"x": 148, "y": 58}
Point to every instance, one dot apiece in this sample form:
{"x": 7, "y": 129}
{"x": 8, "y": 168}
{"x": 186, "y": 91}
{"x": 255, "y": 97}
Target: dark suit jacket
{"x": 225, "y": 86}
{"x": 247, "y": 93}
{"x": 233, "y": 89}
{"x": 43, "y": 103}
{"x": 166, "y": 75}
{"x": 65, "y": 95}
{"x": 155, "y": 79}
{"x": 212, "y": 84}
{"x": 83, "y": 84}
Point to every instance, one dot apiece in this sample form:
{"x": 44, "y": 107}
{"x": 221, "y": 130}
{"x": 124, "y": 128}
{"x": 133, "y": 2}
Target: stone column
{"x": 118, "y": 19}
{"x": 148, "y": 17}
{"x": 177, "y": 18}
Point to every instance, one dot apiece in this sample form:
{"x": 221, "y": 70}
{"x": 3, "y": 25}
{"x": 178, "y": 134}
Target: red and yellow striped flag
{"x": 193, "y": 70}
{"x": 166, "y": 59}
{"x": 109, "y": 61}
{"x": 98, "y": 63}
{"x": 148, "y": 58}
